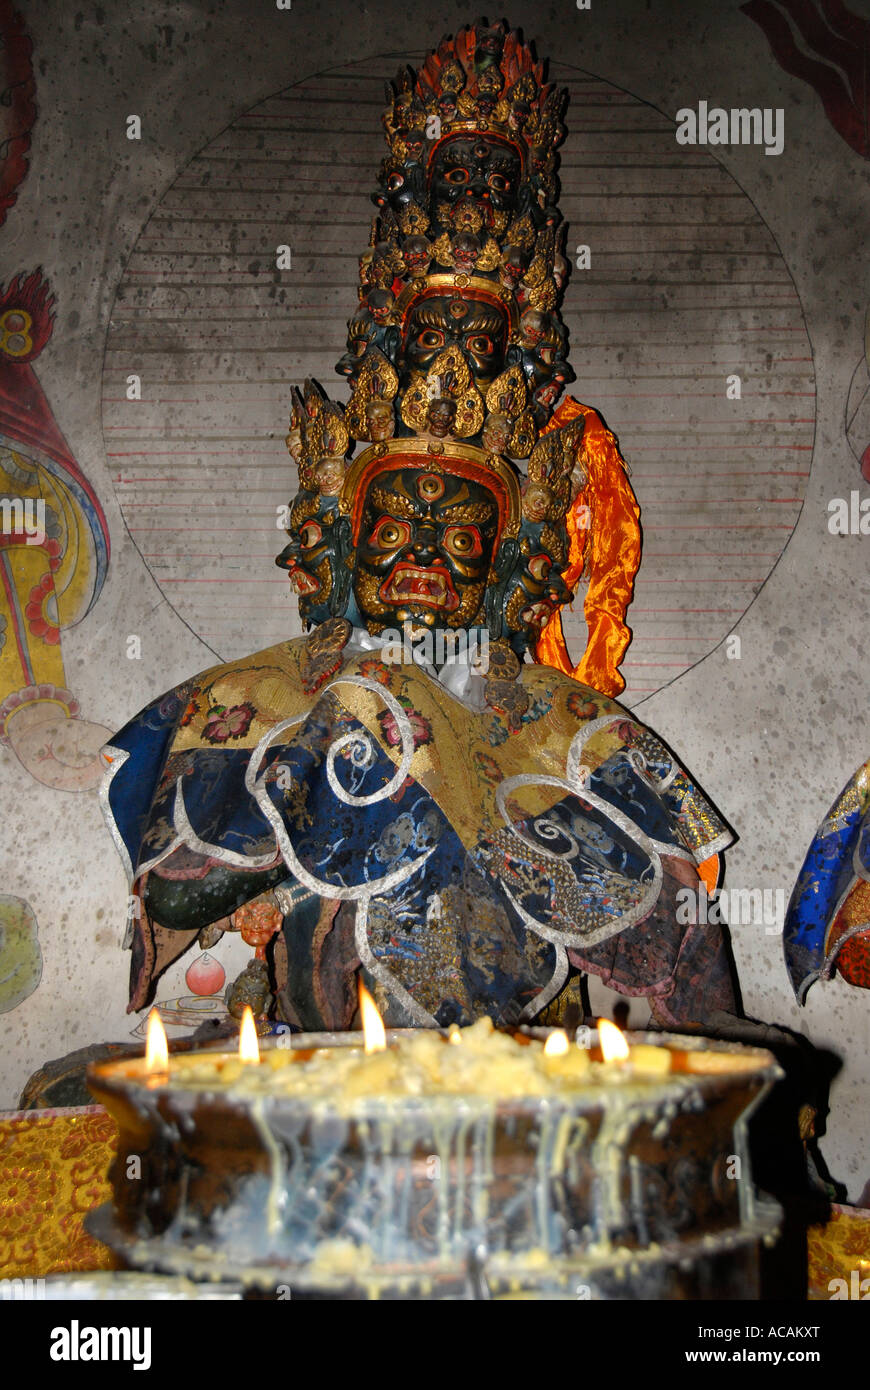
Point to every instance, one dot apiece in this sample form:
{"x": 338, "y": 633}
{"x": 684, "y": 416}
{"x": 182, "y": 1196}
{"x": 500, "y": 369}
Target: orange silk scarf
{"x": 604, "y": 531}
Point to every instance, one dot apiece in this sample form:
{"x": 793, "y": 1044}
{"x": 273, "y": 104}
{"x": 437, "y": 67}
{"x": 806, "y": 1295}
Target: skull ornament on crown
{"x": 457, "y": 512}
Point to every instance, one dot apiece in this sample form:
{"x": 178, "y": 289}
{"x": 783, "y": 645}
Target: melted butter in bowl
{"x": 478, "y": 1061}
{"x": 475, "y": 1062}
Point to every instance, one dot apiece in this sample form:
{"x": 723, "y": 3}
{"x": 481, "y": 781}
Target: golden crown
{"x": 486, "y": 79}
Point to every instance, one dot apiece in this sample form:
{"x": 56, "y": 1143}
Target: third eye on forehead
{"x": 407, "y": 497}
{"x": 470, "y": 151}
{"x": 438, "y": 491}
{"x": 437, "y": 313}
{"x": 445, "y": 516}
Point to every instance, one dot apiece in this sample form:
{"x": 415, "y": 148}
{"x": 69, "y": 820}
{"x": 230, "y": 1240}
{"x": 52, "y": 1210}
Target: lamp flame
{"x": 249, "y": 1048}
{"x": 557, "y": 1043}
{"x": 373, "y": 1028}
{"x": 614, "y": 1048}
{"x": 156, "y": 1046}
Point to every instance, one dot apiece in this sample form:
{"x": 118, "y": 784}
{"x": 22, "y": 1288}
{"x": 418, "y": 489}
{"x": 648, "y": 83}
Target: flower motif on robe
{"x": 374, "y": 669}
{"x": 579, "y": 704}
{"x": 421, "y": 729}
{"x": 224, "y": 724}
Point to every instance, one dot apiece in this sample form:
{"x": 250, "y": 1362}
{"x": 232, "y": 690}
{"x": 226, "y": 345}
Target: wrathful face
{"x": 311, "y": 557}
{"x": 535, "y": 589}
{"x": 425, "y": 549}
{"x": 478, "y": 329}
{"x": 478, "y": 171}
{"x": 441, "y": 417}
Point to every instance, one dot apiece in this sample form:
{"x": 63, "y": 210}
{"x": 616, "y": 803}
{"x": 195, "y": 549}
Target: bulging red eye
{"x": 456, "y": 176}
{"x": 390, "y": 534}
{"x": 309, "y": 534}
{"x": 431, "y": 338}
{"x": 479, "y": 343}
{"x": 463, "y": 542}
{"x": 499, "y": 182}
{"x": 395, "y": 181}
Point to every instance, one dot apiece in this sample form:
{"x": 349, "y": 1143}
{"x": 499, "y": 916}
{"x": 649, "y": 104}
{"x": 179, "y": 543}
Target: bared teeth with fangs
{"x": 412, "y": 585}
{"x": 303, "y": 583}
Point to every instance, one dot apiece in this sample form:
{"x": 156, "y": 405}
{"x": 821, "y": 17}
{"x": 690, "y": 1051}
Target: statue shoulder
{"x": 561, "y": 690}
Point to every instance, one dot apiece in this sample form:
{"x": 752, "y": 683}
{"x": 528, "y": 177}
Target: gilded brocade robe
{"x": 468, "y": 869}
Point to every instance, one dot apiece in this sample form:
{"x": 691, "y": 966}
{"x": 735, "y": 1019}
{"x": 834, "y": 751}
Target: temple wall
{"x": 705, "y": 263}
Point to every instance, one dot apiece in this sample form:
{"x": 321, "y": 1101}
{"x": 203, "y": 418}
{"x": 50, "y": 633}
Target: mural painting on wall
{"x": 827, "y": 45}
{"x": 54, "y": 542}
{"x": 54, "y": 552}
{"x": 20, "y": 954}
{"x": 17, "y": 105}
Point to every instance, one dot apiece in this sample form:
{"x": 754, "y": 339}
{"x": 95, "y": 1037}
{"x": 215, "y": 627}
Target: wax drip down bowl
{"x": 459, "y": 1165}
